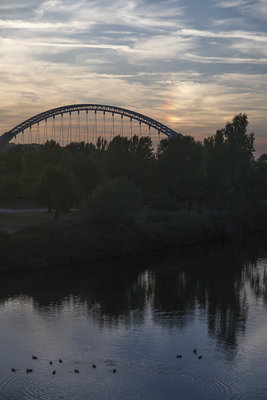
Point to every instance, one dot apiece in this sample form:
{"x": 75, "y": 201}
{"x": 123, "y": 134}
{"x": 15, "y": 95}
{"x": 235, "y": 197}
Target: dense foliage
{"x": 219, "y": 174}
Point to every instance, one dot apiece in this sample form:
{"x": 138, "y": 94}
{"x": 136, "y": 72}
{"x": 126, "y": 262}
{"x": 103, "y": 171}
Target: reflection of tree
{"x": 211, "y": 278}
{"x": 115, "y": 292}
{"x": 256, "y": 275}
{"x": 111, "y": 288}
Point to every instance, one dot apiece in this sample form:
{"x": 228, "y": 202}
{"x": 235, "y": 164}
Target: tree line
{"x": 116, "y": 178}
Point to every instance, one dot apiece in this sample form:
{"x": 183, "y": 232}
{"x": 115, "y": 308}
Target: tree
{"x": 260, "y": 178}
{"x": 10, "y": 172}
{"x": 216, "y": 170}
{"x": 181, "y": 170}
{"x": 86, "y": 174}
{"x": 229, "y": 156}
{"x": 57, "y": 189}
{"x": 130, "y": 158}
{"x": 9, "y": 186}
{"x": 118, "y": 159}
{"x": 141, "y": 149}
{"x": 35, "y": 159}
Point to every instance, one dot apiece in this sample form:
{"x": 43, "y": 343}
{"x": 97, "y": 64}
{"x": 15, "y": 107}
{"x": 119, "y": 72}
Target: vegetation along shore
{"x": 126, "y": 197}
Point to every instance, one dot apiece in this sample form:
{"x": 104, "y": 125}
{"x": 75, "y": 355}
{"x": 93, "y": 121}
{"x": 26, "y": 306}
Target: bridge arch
{"x": 152, "y": 123}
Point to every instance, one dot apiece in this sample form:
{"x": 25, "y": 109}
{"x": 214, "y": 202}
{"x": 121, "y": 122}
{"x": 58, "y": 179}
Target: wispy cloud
{"x": 256, "y": 8}
{"x": 233, "y": 3}
{"x": 133, "y": 13}
{"x": 75, "y": 45}
{"x": 234, "y": 34}
{"x": 27, "y": 25}
{"x": 225, "y": 60}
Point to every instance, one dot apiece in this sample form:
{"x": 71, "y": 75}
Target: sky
{"x": 191, "y": 64}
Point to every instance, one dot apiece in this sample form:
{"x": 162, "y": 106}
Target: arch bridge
{"x": 77, "y": 108}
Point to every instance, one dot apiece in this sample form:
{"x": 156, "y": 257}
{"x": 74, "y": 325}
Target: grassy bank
{"x": 79, "y": 238}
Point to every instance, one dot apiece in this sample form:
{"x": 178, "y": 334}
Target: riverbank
{"x": 76, "y": 239}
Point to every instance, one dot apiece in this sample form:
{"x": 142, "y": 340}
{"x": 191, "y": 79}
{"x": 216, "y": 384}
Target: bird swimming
{"x": 94, "y": 366}
{"x": 50, "y": 362}
{"x": 76, "y": 371}
{"x": 28, "y": 370}
{"x": 195, "y": 351}
{"x": 34, "y": 357}
{"x": 114, "y": 370}
{"x": 13, "y": 369}
{"x": 54, "y": 372}
{"x": 179, "y": 356}
{"x": 60, "y": 361}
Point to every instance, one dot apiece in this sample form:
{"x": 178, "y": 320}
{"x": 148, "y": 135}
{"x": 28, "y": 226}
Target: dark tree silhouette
{"x": 229, "y": 156}
{"x": 57, "y": 189}
{"x": 181, "y": 169}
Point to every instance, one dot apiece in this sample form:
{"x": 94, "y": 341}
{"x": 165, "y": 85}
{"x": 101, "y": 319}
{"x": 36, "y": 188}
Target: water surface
{"x": 134, "y": 315}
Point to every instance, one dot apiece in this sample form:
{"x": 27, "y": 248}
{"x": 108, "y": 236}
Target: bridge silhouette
{"x": 77, "y": 136}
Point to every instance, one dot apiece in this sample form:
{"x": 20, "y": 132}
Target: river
{"x": 130, "y": 318}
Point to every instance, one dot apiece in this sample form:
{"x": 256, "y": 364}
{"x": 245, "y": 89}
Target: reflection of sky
{"x": 140, "y": 338}
{"x": 191, "y": 64}
{"x": 144, "y": 354}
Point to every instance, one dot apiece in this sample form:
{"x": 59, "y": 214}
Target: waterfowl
{"x": 28, "y": 370}
{"x": 54, "y": 372}
{"x": 94, "y": 366}
{"x": 34, "y": 357}
{"x": 195, "y": 351}
{"x": 60, "y": 361}
{"x": 50, "y": 362}
{"x": 13, "y": 369}
{"x": 199, "y": 357}
{"x": 114, "y": 371}
{"x": 179, "y": 356}
{"x": 76, "y": 371}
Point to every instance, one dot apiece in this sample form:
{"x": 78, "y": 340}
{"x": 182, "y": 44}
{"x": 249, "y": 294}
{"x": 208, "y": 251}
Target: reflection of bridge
{"x": 73, "y": 130}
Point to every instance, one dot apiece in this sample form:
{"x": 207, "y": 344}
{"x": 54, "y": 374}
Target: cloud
{"x": 163, "y": 47}
{"x": 257, "y": 8}
{"x": 161, "y": 58}
{"x": 253, "y": 36}
{"x": 118, "y": 12}
{"x": 200, "y": 107}
{"x": 250, "y": 48}
{"x": 18, "y": 5}
{"x": 225, "y": 60}
{"x": 20, "y": 24}
{"x": 75, "y": 45}
{"x": 233, "y": 3}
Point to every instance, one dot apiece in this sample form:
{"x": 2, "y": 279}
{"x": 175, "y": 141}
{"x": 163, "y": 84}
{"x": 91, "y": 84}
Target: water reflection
{"x": 136, "y": 314}
{"x": 210, "y": 278}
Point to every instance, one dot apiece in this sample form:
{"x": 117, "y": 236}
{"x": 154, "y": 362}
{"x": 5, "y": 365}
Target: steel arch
{"x": 7, "y": 136}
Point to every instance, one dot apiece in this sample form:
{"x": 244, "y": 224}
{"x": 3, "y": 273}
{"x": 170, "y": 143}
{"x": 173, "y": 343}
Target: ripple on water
{"x": 31, "y": 387}
{"x": 218, "y": 384}
{"x": 210, "y": 384}
{"x": 65, "y": 384}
